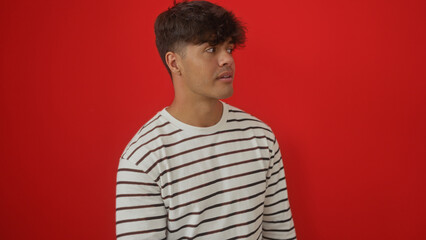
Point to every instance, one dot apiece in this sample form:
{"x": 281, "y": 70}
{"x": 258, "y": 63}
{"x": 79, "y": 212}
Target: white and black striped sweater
{"x": 177, "y": 181}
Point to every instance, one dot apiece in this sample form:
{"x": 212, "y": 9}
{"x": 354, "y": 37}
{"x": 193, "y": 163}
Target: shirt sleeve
{"x": 140, "y": 211}
{"x": 277, "y": 218}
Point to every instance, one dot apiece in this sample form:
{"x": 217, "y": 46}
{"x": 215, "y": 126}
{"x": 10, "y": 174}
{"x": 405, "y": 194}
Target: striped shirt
{"x": 177, "y": 181}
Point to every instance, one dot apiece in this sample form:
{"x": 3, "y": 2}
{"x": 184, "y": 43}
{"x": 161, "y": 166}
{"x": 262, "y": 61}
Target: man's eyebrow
{"x": 204, "y": 44}
{"x": 230, "y": 41}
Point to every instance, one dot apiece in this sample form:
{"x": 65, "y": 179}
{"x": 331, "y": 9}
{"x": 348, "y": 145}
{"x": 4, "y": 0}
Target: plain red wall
{"x": 342, "y": 84}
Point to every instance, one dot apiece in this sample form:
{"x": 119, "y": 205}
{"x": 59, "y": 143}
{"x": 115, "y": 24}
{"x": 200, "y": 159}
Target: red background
{"x": 342, "y": 84}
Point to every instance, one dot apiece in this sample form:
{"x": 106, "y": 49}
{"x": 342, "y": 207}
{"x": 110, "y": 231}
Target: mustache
{"x": 225, "y": 69}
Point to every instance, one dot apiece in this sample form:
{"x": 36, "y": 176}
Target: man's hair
{"x": 196, "y": 22}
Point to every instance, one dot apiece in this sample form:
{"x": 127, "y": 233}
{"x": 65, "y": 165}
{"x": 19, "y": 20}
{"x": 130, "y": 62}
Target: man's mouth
{"x": 225, "y": 75}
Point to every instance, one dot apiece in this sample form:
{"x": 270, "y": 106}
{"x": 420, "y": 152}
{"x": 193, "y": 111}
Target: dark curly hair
{"x": 196, "y": 22}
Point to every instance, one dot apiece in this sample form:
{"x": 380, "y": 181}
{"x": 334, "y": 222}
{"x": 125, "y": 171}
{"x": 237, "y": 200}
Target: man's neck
{"x": 196, "y": 113}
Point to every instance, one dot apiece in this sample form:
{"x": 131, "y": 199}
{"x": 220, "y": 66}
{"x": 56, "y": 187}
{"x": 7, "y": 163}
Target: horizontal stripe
{"x": 194, "y": 137}
{"x": 275, "y": 193}
{"x": 141, "y": 232}
{"x": 275, "y": 203}
{"x": 275, "y": 213}
{"x": 236, "y": 111}
{"x": 216, "y": 218}
{"x": 278, "y": 230}
{"x": 141, "y": 136}
{"x": 140, "y": 130}
{"x": 242, "y": 119}
{"x": 158, "y": 136}
{"x": 138, "y": 195}
{"x": 275, "y": 183}
{"x": 217, "y": 205}
{"x": 149, "y": 123}
{"x": 216, "y": 193}
{"x": 129, "y": 169}
{"x": 276, "y": 152}
{"x": 139, "y": 207}
{"x": 205, "y": 159}
{"x": 293, "y": 238}
{"x": 213, "y": 182}
{"x": 224, "y": 229}
{"x": 276, "y": 172}
{"x": 280, "y": 221}
{"x": 141, "y": 219}
{"x": 137, "y": 183}
{"x": 200, "y": 148}
{"x": 249, "y": 234}
{"x": 213, "y": 169}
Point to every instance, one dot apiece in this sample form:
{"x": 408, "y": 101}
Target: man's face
{"x": 208, "y": 71}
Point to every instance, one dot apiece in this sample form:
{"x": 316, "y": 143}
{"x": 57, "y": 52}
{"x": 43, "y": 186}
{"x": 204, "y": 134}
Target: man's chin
{"x": 227, "y": 94}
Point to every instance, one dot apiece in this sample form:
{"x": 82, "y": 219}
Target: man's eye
{"x": 210, "y": 50}
{"x": 230, "y": 50}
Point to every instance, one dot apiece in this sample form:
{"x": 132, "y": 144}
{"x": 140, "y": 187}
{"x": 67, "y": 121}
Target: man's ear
{"x": 173, "y": 62}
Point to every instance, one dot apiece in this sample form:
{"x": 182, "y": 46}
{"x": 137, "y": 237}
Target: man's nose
{"x": 225, "y": 58}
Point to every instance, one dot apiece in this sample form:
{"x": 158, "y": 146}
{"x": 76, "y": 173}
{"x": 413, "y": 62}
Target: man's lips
{"x": 225, "y": 75}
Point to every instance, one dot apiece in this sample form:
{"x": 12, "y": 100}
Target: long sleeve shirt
{"x": 227, "y": 181}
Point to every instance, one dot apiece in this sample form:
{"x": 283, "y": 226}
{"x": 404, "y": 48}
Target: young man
{"x": 201, "y": 168}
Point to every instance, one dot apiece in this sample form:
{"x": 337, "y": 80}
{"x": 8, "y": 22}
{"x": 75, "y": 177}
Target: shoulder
{"x": 238, "y": 116}
{"x": 148, "y": 138}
